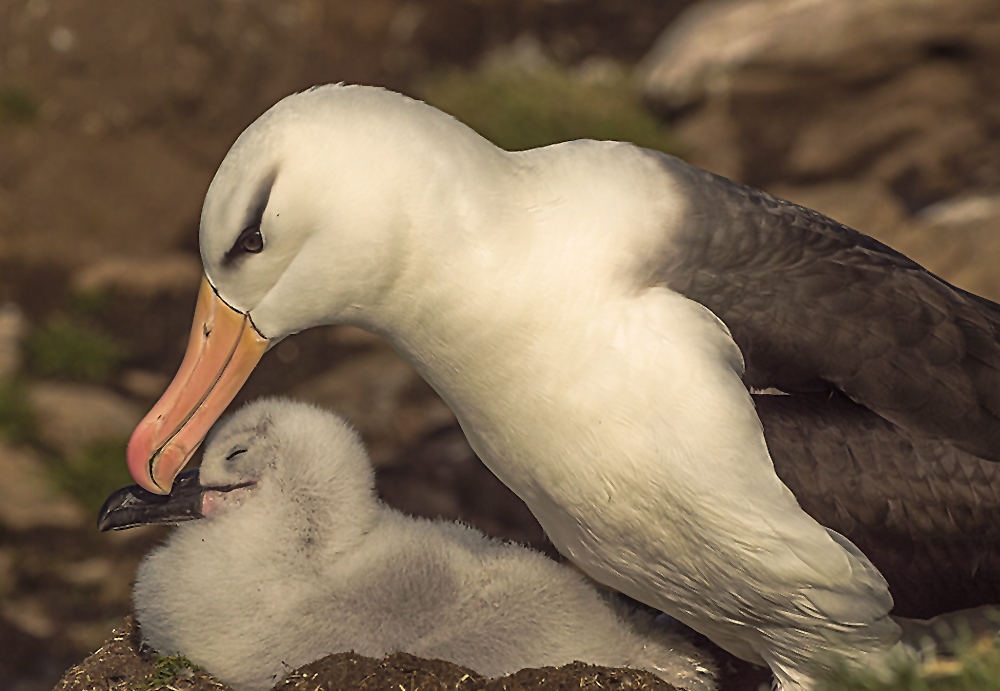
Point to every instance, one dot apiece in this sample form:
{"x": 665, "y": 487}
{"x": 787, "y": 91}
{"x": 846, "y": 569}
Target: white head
{"x": 334, "y": 207}
{"x": 309, "y": 217}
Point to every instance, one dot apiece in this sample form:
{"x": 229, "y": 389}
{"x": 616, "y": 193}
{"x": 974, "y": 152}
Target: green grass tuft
{"x": 92, "y": 474}
{"x": 89, "y": 304}
{"x": 168, "y": 669}
{"x": 17, "y": 418}
{"x": 64, "y": 349}
{"x": 975, "y": 667}
{"x": 520, "y": 109}
{"x": 18, "y": 105}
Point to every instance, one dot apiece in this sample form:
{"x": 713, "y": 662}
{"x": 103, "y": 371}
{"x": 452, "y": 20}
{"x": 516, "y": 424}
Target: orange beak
{"x": 222, "y": 352}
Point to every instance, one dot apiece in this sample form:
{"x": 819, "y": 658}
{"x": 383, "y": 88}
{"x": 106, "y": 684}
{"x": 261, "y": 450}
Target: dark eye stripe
{"x": 250, "y": 239}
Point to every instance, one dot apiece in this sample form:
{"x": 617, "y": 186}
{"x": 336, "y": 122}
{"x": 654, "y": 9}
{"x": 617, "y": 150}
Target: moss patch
{"x": 18, "y": 105}
{"x": 17, "y": 417}
{"x": 168, "y": 670}
{"x": 65, "y": 348}
{"x": 92, "y": 474}
{"x": 520, "y": 109}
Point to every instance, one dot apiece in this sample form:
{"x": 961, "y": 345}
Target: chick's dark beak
{"x": 134, "y": 506}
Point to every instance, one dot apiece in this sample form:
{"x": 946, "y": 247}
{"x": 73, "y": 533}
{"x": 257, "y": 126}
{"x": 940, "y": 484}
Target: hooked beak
{"x": 133, "y": 506}
{"x": 223, "y": 349}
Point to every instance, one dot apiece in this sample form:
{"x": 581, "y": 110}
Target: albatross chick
{"x": 293, "y": 557}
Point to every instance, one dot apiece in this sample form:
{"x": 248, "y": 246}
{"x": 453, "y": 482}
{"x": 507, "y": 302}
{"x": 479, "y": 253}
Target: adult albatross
{"x": 595, "y": 315}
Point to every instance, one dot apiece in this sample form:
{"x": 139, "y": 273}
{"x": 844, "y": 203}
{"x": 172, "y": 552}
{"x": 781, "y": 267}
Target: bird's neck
{"x": 549, "y": 383}
{"x": 504, "y": 245}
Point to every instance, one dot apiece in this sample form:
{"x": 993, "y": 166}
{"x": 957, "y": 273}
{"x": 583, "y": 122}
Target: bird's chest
{"x": 624, "y": 527}
{"x": 579, "y": 414}
{"x": 594, "y": 452}
{"x": 613, "y": 429}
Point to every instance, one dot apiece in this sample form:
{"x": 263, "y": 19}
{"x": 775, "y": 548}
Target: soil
{"x": 124, "y": 658}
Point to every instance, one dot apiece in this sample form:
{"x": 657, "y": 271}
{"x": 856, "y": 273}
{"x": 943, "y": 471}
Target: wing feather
{"x": 817, "y": 306}
{"x": 926, "y": 514}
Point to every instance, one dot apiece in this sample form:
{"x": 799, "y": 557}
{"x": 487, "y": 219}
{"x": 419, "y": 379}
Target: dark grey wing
{"x": 926, "y": 514}
{"x": 815, "y": 306}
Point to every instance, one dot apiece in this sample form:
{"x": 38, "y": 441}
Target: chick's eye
{"x": 234, "y": 453}
{"x": 250, "y": 240}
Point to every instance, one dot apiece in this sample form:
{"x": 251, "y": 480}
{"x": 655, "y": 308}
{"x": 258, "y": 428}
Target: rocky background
{"x": 114, "y": 116}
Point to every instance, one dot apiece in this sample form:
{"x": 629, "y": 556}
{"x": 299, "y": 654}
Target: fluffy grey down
{"x": 309, "y": 562}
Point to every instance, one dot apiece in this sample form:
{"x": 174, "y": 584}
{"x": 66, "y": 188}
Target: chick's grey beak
{"x": 133, "y": 506}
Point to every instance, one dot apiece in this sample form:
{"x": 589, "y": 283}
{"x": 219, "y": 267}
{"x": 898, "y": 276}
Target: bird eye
{"x": 234, "y": 453}
{"x": 250, "y": 240}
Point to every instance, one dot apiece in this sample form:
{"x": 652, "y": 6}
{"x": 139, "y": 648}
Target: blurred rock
{"x": 28, "y": 498}
{"x": 924, "y": 118}
{"x": 11, "y": 331}
{"x": 70, "y": 416}
{"x": 963, "y": 211}
{"x": 952, "y": 238}
{"x": 380, "y": 394}
{"x": 29, "y": 615}
{"x": 704, "y": 53}
{"x": 525, "y": 54}
{"x": 81, "y": 198}
{"x": 900, "y": 92}
{"x": 88, "y": 572}
{"x": 146, "y": 277}
{"x": 7, "y": 578}
{"x": 143, "y": 383}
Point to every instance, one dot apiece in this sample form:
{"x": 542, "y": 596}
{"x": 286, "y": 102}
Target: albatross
{"x": 294, "y": 558}
{"x": 597, "y": 316}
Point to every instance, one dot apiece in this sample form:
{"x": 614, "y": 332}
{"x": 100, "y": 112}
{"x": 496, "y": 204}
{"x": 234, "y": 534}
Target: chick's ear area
{"x": 319, "y": 451}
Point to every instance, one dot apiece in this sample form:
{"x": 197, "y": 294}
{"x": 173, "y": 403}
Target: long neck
{"x": 524, "y": 307}
{"x": 509, "y": 252}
